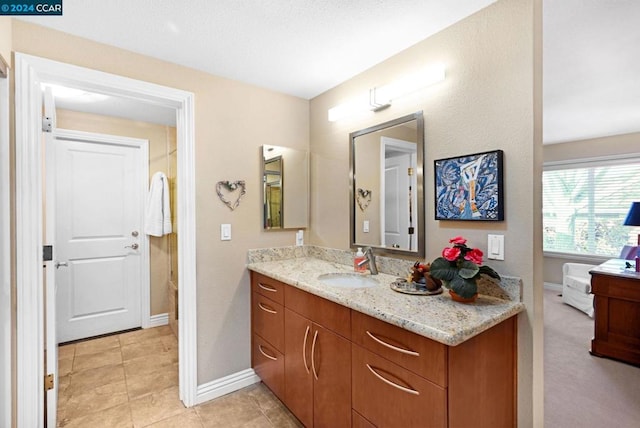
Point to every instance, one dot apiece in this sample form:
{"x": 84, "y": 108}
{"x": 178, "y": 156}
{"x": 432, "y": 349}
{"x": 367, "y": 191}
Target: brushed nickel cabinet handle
{"x": 390, "y": 346}
{"x": 265, "y": 354}
{"x": 304, "y": 350}
{"x": 388, "y": 382}
{"x": 313, "y": 355}
{"x": 264, "y": 308}
{"x": 265, "y": 288}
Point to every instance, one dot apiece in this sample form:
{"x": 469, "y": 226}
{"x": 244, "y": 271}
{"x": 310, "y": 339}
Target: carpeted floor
{"x": 582, "y": 390}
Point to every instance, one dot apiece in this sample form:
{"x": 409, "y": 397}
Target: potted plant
{"x": 459, "y": 268}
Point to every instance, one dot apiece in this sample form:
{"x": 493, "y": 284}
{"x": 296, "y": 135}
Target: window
{"x": 585, "y": 204}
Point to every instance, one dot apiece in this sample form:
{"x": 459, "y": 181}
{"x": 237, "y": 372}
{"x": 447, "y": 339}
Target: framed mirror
{"x": 285, "y": 188}
{"x": 387, "y": 186}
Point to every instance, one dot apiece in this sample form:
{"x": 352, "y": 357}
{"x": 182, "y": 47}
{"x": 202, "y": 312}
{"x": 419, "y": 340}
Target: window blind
{"x": 585, "y": 204}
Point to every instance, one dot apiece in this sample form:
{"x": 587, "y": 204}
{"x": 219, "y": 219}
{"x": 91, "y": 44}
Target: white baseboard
{"x": 158, "y": 320}
{"x": 553, "y": 286}
{"x": 226, "y": 385}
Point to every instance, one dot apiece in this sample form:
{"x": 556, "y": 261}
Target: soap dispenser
{"x": 357, "y": 259}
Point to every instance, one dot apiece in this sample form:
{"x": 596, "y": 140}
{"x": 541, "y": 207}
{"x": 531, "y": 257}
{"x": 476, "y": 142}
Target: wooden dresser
{"x": 616, "y": 302}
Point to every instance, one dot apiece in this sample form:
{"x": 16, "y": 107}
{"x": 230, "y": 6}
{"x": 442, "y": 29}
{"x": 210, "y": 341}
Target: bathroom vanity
{"x": 367, "y": 357}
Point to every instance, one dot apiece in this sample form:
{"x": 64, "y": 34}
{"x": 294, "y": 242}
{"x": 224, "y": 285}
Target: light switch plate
{"x": 225, "y": 232}
{"x": 495, "y": 247}
{"x": 365, "y": 226}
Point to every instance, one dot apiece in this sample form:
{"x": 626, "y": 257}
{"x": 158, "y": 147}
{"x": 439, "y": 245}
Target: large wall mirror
{"x": 387, "y": 186}
{"x": 285, "y": 188}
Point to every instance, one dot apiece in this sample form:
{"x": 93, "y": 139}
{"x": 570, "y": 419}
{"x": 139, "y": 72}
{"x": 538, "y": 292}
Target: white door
{"x": 396, "y": 202}
{"x": 99, "y": 198}
{"x": 399, "y": 206}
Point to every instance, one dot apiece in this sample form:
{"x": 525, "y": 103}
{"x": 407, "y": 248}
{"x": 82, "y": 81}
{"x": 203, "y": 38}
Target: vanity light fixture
{"x": 376, "y": 102}
{"x": 381, "y": 97}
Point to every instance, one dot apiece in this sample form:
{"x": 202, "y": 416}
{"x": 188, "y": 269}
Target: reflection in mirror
{"x": 285, "y": 179}
{"x": 387, "y": 187}
{"x": 273, "y": 192}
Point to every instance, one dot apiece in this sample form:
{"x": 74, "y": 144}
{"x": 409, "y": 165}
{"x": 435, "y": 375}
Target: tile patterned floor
{"x": 131, "y": 380}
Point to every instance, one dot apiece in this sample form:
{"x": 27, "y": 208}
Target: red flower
{"x": 475, "y": 256}
{"x": 458, "y": 240}
{"x": 451, "y": 254}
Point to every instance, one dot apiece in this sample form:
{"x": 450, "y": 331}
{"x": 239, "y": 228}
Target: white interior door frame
{"x": 51, "y": 329}
{"x": 5, "y": 258}
{"x": 30, "y": 71}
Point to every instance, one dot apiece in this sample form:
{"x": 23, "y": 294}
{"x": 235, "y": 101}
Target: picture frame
{"x": 470, "y": 187}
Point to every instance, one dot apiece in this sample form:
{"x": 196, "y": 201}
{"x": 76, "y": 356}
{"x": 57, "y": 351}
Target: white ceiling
{"x": 305, "y": 47}
{"x": 591, "y": 68}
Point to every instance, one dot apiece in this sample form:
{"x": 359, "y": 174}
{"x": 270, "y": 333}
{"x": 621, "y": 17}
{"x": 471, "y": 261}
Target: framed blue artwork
{"x": 470, "y": 187}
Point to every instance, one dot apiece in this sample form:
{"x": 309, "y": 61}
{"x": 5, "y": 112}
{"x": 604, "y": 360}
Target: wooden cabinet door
{"x": 331, "y": 370}
{"x": 482, "y": 371}
{"x": 298, "y": 379}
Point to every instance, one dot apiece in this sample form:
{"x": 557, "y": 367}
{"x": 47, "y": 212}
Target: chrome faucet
{"x": 370, "y": 259}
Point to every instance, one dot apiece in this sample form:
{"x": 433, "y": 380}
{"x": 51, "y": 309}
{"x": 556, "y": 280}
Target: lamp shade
{"x": 633, "y": 217}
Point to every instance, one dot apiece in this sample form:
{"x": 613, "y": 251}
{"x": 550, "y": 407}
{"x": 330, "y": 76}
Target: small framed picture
{"x": 469, "y": 187}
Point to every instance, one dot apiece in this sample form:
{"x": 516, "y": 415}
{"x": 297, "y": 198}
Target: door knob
{"x": 60, "y": 264}
{"x": 133, "y": 246}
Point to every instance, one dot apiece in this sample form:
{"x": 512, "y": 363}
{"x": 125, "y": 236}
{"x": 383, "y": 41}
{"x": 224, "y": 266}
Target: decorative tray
{"x": 401, "y": 285}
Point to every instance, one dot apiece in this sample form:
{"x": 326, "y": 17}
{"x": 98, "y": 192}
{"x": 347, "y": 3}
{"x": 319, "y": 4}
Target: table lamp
{"x": 633, "y": 219}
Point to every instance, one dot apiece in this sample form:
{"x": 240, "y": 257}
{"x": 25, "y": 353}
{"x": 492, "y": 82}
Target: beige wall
{"x": 232, "y": 121}
{"x": 626, "y": 144}
{"x": 491, "y": 99}
{"x": 5, "y": 38}
{"x": 159, "y": 137}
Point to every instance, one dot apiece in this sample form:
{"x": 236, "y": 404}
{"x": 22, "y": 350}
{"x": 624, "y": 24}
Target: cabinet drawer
{"x": 416, "y": 353}
{"x": 389, "y": 396}
{"x": 269, "y": 365}
{"x": 328, "y": 314}
{"x": 268, "y": 320}
{"x": 268, "y": 287}
{"x": 616, "y": 287}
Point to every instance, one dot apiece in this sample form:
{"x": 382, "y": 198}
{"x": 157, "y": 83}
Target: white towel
{"x": 158, "y": 215}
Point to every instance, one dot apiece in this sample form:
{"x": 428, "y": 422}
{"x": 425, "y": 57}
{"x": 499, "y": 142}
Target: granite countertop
{"x": 436, "y": 317}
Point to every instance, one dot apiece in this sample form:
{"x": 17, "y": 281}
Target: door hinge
{"x": 48, "y": 382}
{"x": 47, "y": 124}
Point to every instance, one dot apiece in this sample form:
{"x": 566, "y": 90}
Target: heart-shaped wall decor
{"x": 363, "y": 198}
{"x": 228, "y": 190}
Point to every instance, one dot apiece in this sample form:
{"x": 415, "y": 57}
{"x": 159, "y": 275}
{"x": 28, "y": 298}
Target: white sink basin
{"x": 347, "y": 280}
